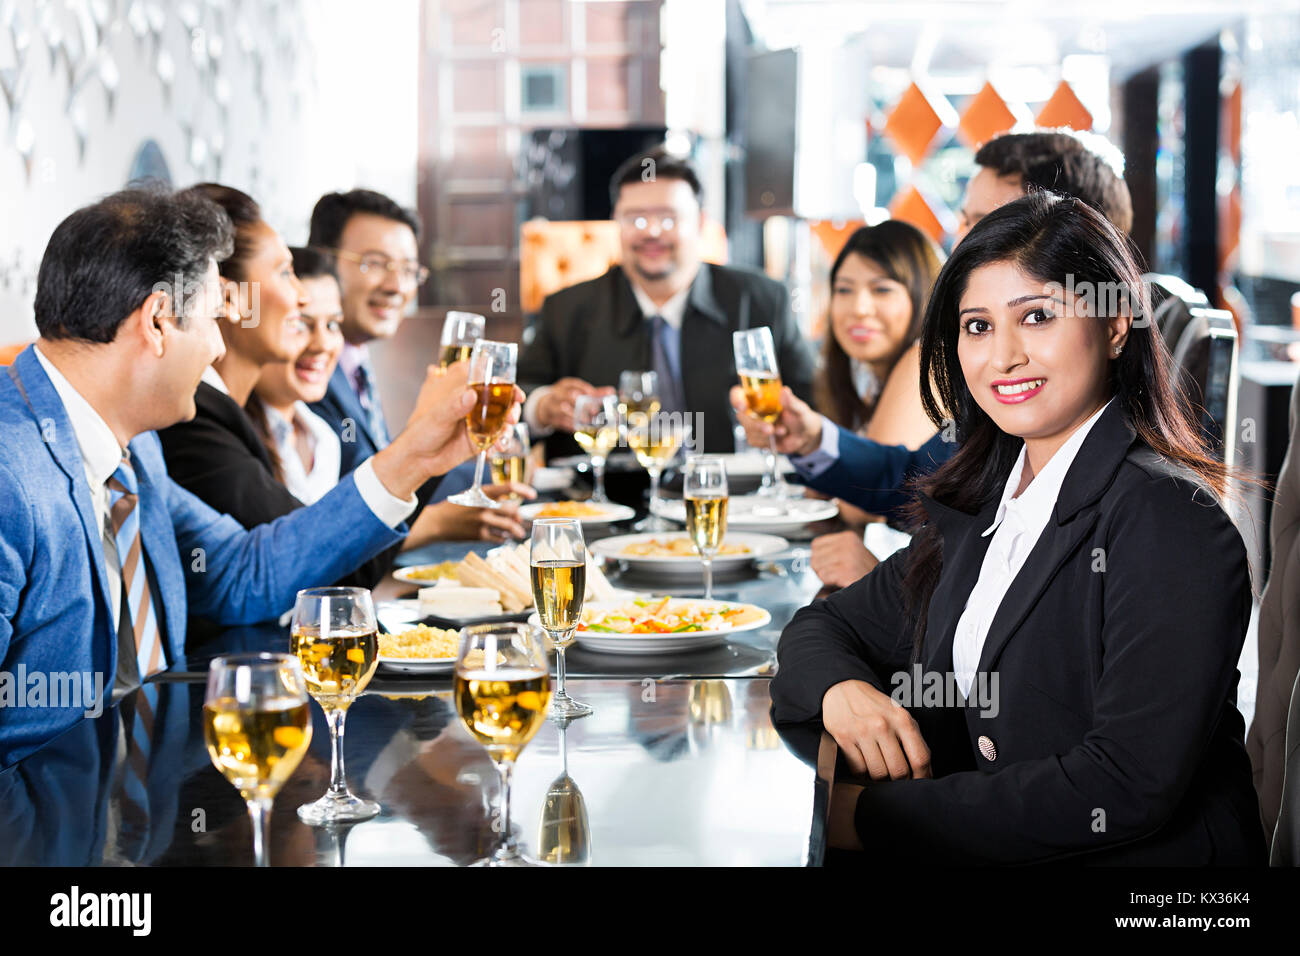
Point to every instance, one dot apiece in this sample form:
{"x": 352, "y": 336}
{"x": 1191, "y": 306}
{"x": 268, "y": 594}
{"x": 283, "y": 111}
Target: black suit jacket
{"x": 594, "y": 330}
{"x": 219, "y": 457}
{"x": 1116, "y": 736}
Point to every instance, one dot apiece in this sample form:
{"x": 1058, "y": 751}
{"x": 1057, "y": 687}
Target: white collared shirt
{"x": 100, "y": 457}
{"x": 308, "y": 486}
{"x": 388, "y": 508}
{"x": 1016, "y": 527}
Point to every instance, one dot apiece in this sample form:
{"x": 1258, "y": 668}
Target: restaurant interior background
{"x": 805, "y": 116}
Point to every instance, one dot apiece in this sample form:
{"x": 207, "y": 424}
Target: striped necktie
{"x": 138, "y": 713}
{"x": 124, "y": 495}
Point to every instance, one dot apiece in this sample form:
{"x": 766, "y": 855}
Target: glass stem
{"x": 654, "y": 488}
{"x": 707, "y": 561}
{"x": 505, "y": 849}
{"x": 259, "y": 811}
{"x": 598, "y": 467}
{"x": 559, "y": 674}
{"x": 774, "y": 462}
{"x": 338, "y": 780}
{"x": 478, "y": 470}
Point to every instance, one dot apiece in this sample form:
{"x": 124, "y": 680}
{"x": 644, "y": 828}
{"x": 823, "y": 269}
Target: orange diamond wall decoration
{"x": 1064, "y": 109}
{"x": 913, "y": 123}
{"x": 987, "y": 115}
{"x": 911, "y": 207}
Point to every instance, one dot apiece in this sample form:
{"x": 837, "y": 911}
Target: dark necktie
{"x": 671, "y": 395}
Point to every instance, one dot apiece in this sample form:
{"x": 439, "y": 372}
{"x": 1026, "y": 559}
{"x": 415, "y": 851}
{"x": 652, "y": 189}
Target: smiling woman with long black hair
{"x": 1049, "y": 671}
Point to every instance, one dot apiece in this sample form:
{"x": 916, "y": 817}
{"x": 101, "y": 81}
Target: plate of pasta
{"x": 662, "y": 625}
{"x": 419, "y": 649}
{"x": 673, "y": 551}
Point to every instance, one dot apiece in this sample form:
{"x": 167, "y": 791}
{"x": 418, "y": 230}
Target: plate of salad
{"x": 661, "y": 625}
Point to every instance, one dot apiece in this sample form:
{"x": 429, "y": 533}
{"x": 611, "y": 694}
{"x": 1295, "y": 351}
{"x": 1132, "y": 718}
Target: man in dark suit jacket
{"x": 662, "y": 309}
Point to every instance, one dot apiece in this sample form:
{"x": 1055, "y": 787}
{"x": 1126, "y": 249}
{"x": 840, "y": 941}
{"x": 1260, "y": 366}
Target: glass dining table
{"x": 679, "y": 765}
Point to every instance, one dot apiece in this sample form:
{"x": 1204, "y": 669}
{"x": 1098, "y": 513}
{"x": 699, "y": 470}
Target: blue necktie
{"x": 664, "y": 350}
{"x": 123, "y": 497}
{"x": 369, "y": 396}
{"x": 138, "y": 715}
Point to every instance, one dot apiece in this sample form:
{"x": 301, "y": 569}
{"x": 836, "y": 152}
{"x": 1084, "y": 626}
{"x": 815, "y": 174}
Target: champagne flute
{"x": 558, "y": 571}
{"x": 706, "y": 510}
{"x": 510, "y": 458}
{"x": 760, "y": 378}
{"x": 257, "y": 726}
{"x": 595, "y": 426}
{"x": 492, "y": 376}
{"x": 336, "y": 641}
{"x": 564, "y": 831}
{"x": 638, "y": 394}
{"x": 460, "y": 330}
{"x": 502, "y": 686}
{"x": 655, "y": 441}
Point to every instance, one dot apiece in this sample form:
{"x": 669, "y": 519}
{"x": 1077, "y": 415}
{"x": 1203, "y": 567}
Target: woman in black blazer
{"x": 1099, "y": 724}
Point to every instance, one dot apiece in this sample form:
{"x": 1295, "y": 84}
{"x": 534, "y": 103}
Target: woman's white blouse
{"x": 307, "y": 486}
{"x": 1016, "y": 527}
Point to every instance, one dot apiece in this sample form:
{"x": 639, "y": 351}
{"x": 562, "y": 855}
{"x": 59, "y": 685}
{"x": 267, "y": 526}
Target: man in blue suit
{"x": 375, "y": 242}
{"x": 102, "y": 556}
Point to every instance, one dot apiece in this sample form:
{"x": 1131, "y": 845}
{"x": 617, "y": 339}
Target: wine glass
{"x": 564, "y": 831}
{"x": 655, "y": 440}
{"x": 638, "y": 394}
{"x": 502, "y": 686}
{"x": 492, "y": 376}
{"x": 760, "y": 378}
{"x": 509, "y": 458}
{"x": 558, "y": 569}
{"x": 595, "y": 426}
{"x": 706, "y": 510}
{"x": 460, "y": 330}
{"x": 257, "y": 726}
{"x": 335, "y": 638}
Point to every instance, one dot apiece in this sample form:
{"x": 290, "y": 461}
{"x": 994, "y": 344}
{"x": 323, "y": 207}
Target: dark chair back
{"x": 1205, "y": 360}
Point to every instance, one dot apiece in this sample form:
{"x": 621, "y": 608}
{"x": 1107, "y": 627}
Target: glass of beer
{"x": 761, "y": 381}
{"x": 509, "y": 458}
{"x": 336, "y": 640}
{"x": 558, "y": 569}
{"x": 595, "y": 426}
{"x": 257, "y": 726}
{"x": 492, "y": 376}
{"x": 460, "y": 330}
{"x": 706, "y": 510}
{"x": 655, "y": 439}
{"x": 638, "y": 395}
{"x": 501, "y": 690}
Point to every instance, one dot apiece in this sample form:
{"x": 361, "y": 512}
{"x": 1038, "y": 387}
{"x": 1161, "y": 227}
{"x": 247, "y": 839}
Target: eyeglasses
{"x": 641, "y": 223}
{"x": 375, "y": 262}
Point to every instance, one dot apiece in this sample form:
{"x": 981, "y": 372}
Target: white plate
{"x": 407, "y": 575}
{"x": 660, "y": 643}
{"x": 552, "y": 479}
{"x": 418, "y": 665}
{"x": 760, "y": 513}
{"x": 752, "y": 464}
{"x": 609, "y": 513}
{"x": 760, "y": 545}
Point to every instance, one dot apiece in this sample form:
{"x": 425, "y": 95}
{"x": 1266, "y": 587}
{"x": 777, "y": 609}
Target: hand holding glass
{"x": 492, "y": 376}
{"x": 760, "y": 378}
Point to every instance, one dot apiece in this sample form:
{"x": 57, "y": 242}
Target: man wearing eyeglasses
{"x": 660, "y": 309}
{"x": 374, "y": 241}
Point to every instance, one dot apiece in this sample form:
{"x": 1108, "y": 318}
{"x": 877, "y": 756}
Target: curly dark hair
{"x": 105, "y": 259}
{"x": 906, "y": 256}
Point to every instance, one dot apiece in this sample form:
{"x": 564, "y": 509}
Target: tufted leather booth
{"x": 556, "y": 255}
